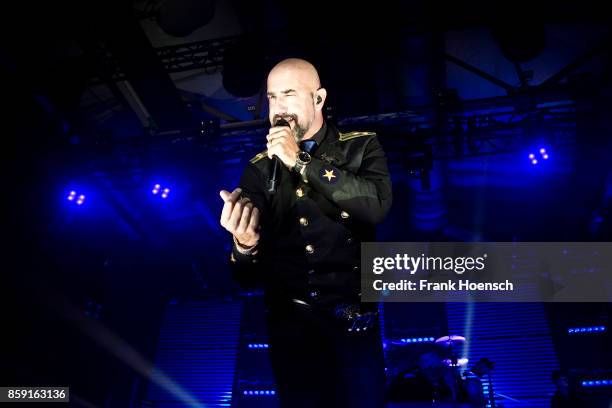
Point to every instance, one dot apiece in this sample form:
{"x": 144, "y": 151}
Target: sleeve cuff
{"x": 244, "y": 250}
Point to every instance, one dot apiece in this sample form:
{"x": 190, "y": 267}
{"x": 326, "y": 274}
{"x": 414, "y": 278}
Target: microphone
{"x": 275, "y": 170}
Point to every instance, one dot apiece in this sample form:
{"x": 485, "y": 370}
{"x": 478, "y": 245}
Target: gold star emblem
{"x": 329, "y": 174}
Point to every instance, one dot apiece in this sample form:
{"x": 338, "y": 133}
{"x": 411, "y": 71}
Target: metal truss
{"x": 486, "y": 131}
{"x": 207, "y": 55}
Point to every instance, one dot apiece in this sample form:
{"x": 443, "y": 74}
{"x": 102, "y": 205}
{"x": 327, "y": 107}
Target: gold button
{"x": 304, "y": 221}
{"x": 310, "y": 249}
{"x": 299, "y": 192}
{"x": 344, "y": 214}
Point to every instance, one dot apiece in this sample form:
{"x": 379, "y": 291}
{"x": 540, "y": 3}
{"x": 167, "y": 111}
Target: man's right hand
{"x": 240, "y": 217}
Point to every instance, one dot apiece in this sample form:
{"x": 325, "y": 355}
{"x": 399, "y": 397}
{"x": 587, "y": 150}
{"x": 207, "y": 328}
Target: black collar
{"x": 320, "y": 135}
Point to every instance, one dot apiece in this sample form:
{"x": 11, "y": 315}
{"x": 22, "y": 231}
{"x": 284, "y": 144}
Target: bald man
{"x": 303, "y": 244}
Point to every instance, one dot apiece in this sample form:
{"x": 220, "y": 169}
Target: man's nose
{"x": 278, "y": 106}
{"x": 279, "y": 113}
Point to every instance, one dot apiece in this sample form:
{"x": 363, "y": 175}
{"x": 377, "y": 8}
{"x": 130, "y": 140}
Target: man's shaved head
{"x": 295, "y": 94}
{"x": 303, "y": 71}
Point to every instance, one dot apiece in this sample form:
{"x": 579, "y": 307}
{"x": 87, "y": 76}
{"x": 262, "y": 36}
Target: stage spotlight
{"x": 543, "y": 153}
{"x": 162, "y": 192}
{"x": 77, "y": 199}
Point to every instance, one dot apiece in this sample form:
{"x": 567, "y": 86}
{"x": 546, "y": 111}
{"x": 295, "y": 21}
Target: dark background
{"x": 110, "y": 98}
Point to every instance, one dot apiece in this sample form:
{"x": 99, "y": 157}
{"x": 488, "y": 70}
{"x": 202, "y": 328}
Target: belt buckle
{"x": 355, "y": 321}
{"x": 348, "y": 314}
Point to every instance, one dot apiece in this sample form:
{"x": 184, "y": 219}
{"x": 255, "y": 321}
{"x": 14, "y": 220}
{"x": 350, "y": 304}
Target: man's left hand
{"x": 281, "y": 143}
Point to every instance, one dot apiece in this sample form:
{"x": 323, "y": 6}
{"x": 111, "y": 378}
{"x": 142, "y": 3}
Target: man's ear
{"x": 320, "y": 97}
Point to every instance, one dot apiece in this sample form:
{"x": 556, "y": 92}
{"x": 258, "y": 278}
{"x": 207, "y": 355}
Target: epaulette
{"x": 259, "y": 156}
{"x": 351, "y": 135}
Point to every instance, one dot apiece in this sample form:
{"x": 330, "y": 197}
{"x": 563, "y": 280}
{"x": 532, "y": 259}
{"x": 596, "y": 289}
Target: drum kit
{"x": 442, "y": 376}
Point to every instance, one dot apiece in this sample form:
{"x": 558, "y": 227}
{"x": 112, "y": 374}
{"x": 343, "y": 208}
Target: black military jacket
{"x": 311, "y": 231}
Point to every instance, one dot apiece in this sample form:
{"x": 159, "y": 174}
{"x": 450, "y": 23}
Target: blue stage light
{"x": 596, "y": 383}
{"x": 589, "y": 329}
{"x": 543, "y": 154}
{"x": 76, "y": 198}
{"x": 259, "y": 392}
{"x": 157, "y": 189}
{"x": 258, "y": 345}
{"x": 417, "y": 339}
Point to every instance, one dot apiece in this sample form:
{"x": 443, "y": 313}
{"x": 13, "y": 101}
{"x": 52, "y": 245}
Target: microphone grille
{"x": 281, "y": 122}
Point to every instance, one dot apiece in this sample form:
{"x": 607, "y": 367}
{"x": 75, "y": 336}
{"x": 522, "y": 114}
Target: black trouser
{"x": 317, "y": 363}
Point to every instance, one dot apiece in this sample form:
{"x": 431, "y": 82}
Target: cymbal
{"x": 450, "y": 340}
